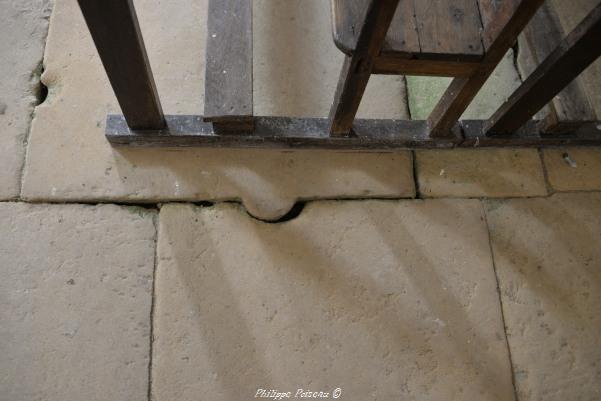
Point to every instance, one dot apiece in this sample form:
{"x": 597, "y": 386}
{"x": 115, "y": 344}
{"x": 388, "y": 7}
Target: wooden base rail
{"x": 313, "y": 133}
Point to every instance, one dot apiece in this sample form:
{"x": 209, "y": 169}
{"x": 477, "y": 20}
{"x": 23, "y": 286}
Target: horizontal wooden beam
{"x": 576, "y": 52}
{"x": 388, "y": 64}
{"x": 313, "y": 133}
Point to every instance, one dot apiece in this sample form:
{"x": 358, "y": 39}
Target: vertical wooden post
{"x": 576, "y": 52}
{"x": 358, "y": 68}
{"x": 229, "y": 67}
{"x": 503, "y": 23}
{"x": 116, "y": 33}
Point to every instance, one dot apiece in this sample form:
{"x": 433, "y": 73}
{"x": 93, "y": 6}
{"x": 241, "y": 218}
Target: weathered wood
{"x": 393, "y": 65}
{"x": 349, "y": 15}
{"x": 228, "y": 77}
{"x": 449, "y": 27}
{"x": 449, "y": 35}
{"x": 576, "y": 52}
{"x": 504, "y": 21}
{"x": 312, "y": 133}
{"x": 571, "y": 107}
{"x": 529, "y": 135}
{"x": 495, "y": 14}
{"x": 424, "y": 30}
{"x": 116, "y": 33}
{"x": 358, "y": 68}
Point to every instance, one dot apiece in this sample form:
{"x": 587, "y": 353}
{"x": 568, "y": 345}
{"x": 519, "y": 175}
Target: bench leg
{"x": 576, "y": 52}
{"x": 350, "y": 90}
{"x": 500, "y": 33}
{"x": 358, "y": 68}
{"x": 116, "y": 33}
{"x": 453, "y": 104}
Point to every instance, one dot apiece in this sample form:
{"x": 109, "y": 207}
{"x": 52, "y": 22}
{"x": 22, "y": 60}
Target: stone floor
{"x": 209, "y": 275}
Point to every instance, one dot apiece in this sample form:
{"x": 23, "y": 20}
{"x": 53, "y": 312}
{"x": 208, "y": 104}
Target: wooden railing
{"x": 228, "y": 119}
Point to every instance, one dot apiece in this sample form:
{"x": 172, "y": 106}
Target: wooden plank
{"x": 358, "y": 68}
{"x": 348, "y": 17}
{"x": 228, "y": 77}
{"x": 280, "y": 132}
{"x": 432, "y": 68}
{"x": 495, "y": 14}
{"x": 312, "y": 133}
{"x": 449, "y": 27}
{"x": 576, "y": 52}
{"x": 505, "y": 19}
{"x": 526, "y": 64}
{"x": 529, "y": 135}
{"x": 571, "y": 107}
{"x": 116, "y": 33}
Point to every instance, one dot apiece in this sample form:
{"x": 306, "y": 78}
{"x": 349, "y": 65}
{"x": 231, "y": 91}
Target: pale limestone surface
{"x": 573, "y": 169}
{"x": 478, "y": 172}
{"x": 23, "y": 27}
{"x": 494, "y": 173}
{"x": 76, "y": 296}
{"x": 385, "y": 300}
{"x": 548, "y": 261}
{"x": 69, "y": 158}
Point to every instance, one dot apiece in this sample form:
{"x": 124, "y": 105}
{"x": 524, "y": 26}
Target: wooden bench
{"x": 455, "y": 38}
{"x": 426, "y": 37}
{"x": 463, "y": 39}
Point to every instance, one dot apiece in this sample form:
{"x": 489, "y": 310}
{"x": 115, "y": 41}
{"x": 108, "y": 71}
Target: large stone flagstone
{"x": 23, "y": 28}
{"x": 548, "y": 260}
{"x": 384, "y": 300}
{"x": 75, "y": 296}
{"x": 489, "y": 173}
{"x": 573, "y": 169}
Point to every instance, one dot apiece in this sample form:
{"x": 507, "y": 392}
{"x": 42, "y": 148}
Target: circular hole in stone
{"x": 292, "y": 214}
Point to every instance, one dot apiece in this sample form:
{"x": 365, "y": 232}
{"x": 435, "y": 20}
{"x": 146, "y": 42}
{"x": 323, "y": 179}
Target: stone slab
{"x": 548, "y": 261}
{"x": 386, "y": 300}
{"x": 75, "y": 291}
{"x": 70, "y": 160}
{"x": 493, "y": 173}
{"x": 573, "y": 169}
{"x": 23, "y": 28}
